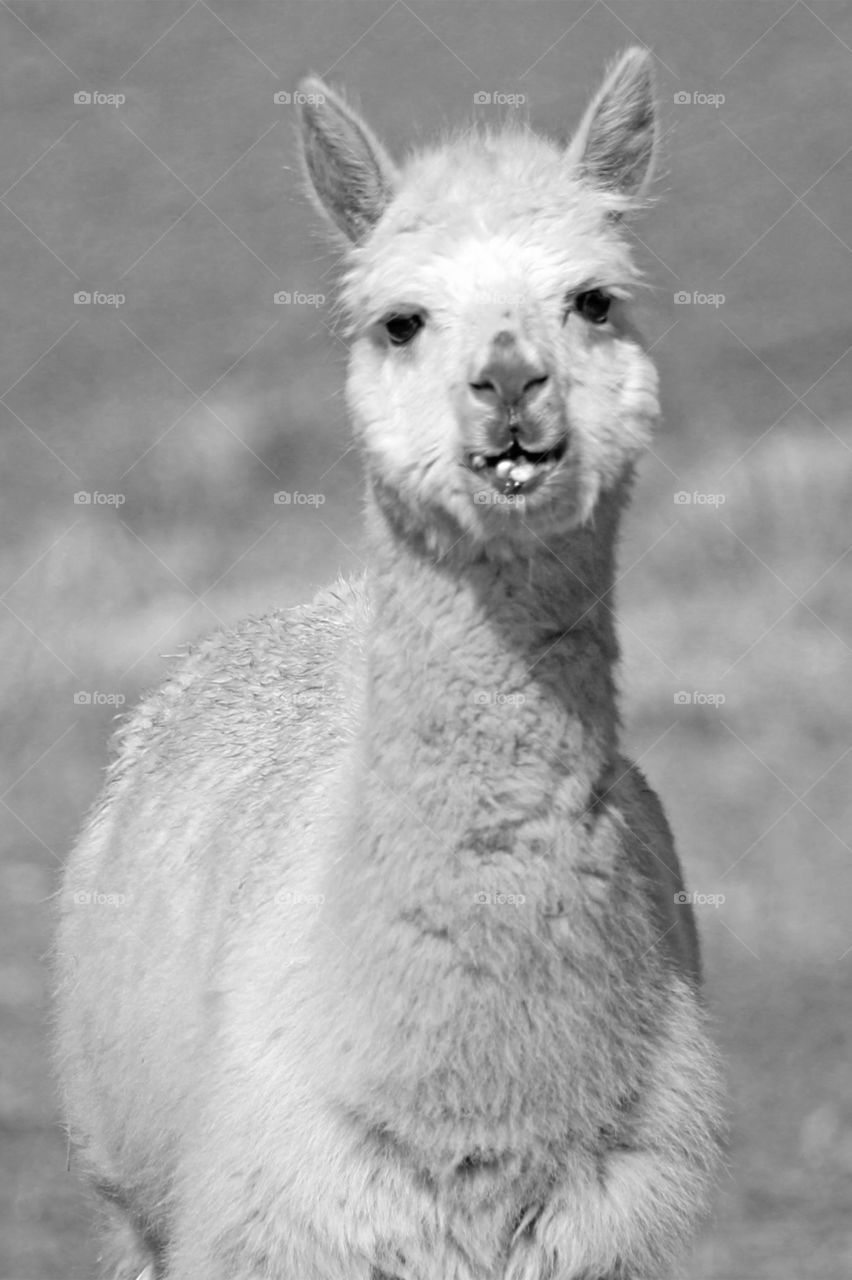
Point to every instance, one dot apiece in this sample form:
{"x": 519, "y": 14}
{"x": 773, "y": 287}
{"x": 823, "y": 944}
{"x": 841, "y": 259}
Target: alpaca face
{"x": 494, "y": 371}
{"x": 495, "y": 377}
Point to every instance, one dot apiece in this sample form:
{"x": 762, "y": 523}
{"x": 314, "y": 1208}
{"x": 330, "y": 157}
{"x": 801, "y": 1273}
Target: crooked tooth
{"x": 504, "y": 466}
{"x": 477, "y": 461}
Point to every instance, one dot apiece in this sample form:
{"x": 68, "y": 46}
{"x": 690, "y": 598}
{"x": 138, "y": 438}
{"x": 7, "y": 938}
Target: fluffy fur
{"x": 393, "y": 982}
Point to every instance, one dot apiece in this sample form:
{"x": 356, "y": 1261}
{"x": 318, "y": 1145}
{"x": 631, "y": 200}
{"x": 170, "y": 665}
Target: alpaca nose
{"x": 508, "y": 374}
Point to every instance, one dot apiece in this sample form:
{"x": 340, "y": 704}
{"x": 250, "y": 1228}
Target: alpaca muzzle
{"x": 516, "y": 469}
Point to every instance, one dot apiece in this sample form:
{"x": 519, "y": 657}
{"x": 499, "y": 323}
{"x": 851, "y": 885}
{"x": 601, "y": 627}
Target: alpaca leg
{"x": 255, "y": 1252}
{"x": 126, "y": 1254}
{"x": 631, "y": 1214}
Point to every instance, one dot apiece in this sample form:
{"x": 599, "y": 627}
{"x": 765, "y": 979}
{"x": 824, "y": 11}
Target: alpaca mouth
{"x": 517, "y": 470}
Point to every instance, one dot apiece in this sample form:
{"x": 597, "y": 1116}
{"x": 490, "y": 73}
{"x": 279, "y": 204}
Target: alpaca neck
{"x": 489, "y": 681}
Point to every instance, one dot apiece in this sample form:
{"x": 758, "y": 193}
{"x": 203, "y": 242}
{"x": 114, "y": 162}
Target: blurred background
{"x": 156, "y": 396}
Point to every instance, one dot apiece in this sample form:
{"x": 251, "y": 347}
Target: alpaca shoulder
{"x": 271, "y": 691}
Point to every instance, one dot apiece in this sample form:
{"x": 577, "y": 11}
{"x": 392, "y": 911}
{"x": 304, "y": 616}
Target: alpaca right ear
{"x": 350, "y": 172}
{"x": 614, "y": 146}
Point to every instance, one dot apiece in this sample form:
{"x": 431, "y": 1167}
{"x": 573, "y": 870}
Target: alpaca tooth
{"x": 477, "y": 461}
{"x": 504, "y": 466}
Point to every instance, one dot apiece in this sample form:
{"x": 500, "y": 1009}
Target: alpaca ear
{"x": 349, "y": 171}
{"x": 614, "y": 146}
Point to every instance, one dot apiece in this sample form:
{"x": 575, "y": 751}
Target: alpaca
{"x": 394, "y": 983}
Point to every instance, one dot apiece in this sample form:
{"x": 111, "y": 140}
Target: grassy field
{"x": 197, "y": 398}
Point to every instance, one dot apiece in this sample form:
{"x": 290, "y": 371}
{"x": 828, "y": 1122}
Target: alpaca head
{"x": 495, "y": 379}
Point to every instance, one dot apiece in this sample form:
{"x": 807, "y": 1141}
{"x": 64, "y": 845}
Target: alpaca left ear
{"x": 349, "y": 171}
{"x": 615, "y": 144}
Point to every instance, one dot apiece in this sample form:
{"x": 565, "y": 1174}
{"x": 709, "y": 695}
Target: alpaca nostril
{"x": 484, "y": 385}
{"x": 535, "y": 382}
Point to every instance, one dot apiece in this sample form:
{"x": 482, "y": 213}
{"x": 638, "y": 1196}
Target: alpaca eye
{"x": 401, "y": 329}
{"x": 593, "y": 305}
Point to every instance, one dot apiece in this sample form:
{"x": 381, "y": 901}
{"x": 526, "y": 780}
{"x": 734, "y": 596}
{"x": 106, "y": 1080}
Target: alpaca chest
{"x": 508, "y": 1027}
